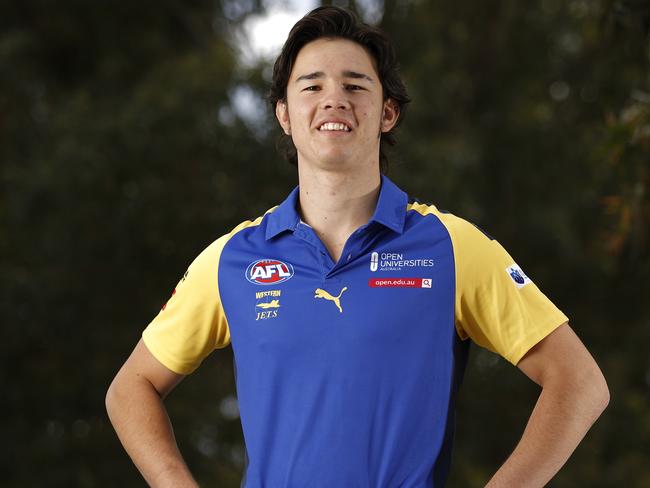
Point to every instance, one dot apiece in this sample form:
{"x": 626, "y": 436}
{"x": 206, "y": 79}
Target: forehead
{"x": 333, "y": 55}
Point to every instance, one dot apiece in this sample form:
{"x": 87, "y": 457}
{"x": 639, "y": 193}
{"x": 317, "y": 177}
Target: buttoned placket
{"x": 351, "y": 250}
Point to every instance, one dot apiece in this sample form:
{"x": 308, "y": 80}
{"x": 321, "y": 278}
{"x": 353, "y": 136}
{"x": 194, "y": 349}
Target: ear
{"x": 389, "y": 115}
{"x": 282, "y": 114}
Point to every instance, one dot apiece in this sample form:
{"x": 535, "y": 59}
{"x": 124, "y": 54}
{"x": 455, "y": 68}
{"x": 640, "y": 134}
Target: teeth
{"x": 334, "y": 126}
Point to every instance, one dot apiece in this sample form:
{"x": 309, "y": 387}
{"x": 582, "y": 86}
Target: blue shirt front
{"x": 354, "y": 394}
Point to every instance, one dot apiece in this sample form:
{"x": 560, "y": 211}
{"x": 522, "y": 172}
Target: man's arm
{"x": 574, "y": 394}
{"x": 134, "y": 403}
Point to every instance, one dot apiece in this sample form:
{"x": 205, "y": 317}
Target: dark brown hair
{"x": 336, "y": 22}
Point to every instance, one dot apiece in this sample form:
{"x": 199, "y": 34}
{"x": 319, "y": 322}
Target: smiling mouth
{"x": 334, "y": 126}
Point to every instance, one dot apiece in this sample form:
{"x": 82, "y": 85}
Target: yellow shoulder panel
{"x": 193, "y": 322}
{"x": 490, "y": 307}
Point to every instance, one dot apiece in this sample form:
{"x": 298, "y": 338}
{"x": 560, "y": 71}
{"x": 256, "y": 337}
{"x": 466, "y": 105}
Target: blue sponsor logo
{"x": 516, "y": 275}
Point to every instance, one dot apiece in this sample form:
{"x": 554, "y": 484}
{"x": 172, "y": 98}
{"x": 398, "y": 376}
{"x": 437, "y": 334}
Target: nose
{"x": 335, "y": 97}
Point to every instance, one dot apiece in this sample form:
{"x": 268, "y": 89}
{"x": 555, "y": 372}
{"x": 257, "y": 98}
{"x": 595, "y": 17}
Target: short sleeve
{"x": 497, "y": 305}
{"x": 192, "y": 323}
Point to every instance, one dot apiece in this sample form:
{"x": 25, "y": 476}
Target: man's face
{"x": 335, "y": 110}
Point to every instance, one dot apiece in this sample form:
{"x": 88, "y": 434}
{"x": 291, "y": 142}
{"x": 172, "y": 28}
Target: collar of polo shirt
{"x": 390, "y": 211}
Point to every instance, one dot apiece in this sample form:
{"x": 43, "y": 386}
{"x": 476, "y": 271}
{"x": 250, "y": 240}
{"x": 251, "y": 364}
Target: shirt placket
{"x": 307, "y": 234}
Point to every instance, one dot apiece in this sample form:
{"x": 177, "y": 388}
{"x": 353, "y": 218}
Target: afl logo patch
{"x": 268, "y": 272}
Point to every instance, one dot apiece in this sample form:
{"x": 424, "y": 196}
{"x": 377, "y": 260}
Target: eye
{"x": 354, "y": 87}
{"x": 312, "y": 88}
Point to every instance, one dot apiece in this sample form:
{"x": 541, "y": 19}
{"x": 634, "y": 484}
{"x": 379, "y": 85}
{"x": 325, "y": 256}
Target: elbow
{"x": 595, "y": 393}
{"x": 115, "y": 397}
{"x": 110, "y": 400}
{"x": 603, "y": 394}
{"x": 585, "y": 390}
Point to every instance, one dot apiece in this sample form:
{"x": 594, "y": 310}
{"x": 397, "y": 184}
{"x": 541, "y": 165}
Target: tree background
{"x": 131, "y": 136}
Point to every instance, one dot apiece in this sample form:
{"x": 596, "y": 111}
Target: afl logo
{"x": 268, "y": 272}
{"x": 374, "y": 261}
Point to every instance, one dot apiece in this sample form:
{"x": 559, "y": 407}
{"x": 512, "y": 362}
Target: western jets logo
{"x": 517, "y": 275}
{"x": 267, "y": 304}
{"x": 271, "y": 304}
{"x": 267, "y": 310}
{"x": 268, "y": 272}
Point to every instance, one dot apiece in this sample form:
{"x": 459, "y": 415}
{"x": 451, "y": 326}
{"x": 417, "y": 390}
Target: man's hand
{"x": 574, "y": 394}
{"x": 135, "y": 408}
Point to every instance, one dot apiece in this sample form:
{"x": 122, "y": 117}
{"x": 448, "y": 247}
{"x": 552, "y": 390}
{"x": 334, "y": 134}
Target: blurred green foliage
{"x": 123, "y": 154}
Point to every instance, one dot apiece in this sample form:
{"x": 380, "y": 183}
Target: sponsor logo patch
{"x": 268, "y": 272}
{"x": 267, "y": 304}
{"x": 374, "y": 261}
{"x": 400, "y": 282}
{"x": 320, "y": 293}
{"x": 517, "y": 275}
{"x": 395, "y": 261}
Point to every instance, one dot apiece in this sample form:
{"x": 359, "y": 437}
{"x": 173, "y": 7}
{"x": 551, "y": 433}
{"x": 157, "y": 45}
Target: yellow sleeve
{"x": 497, "y": 305}
{"x": 192, "y": 323}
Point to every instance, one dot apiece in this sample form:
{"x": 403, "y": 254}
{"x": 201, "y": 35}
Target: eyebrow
{"x": 346, "y": 74}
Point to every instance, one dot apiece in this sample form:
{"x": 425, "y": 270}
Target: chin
{"x": 335, "y": 161}
{"x": 335, "y": 157}
{"x": 332, "y": 158}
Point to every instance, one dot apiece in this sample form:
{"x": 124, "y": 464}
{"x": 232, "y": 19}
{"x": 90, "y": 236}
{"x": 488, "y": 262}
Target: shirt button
{"x": 349, "y": 256}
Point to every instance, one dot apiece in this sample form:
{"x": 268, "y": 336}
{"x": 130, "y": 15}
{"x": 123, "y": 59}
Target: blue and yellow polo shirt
{"x": 347, "y": 372}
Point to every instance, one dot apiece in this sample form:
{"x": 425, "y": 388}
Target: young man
{"x": 348, "y": 308}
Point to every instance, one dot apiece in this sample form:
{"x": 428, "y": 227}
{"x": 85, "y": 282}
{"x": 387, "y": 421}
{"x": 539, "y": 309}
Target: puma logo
{"x": 271, "y": 304}
{"x": 320, "y": 293}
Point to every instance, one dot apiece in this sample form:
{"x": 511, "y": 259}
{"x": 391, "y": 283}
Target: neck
{"x": 335, "y": 204}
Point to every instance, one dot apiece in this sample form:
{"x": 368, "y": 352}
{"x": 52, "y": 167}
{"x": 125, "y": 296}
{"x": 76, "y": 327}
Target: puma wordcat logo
{"x": 320, "y": 293}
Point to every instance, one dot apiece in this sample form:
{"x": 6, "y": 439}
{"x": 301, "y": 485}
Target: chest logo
{"x": 267, "y": 304}
{"x": 271, "y": 304}
{"x": 320, "y": 293}
{"x": 268, "y": 272}
{"x": 396, "y": 261}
